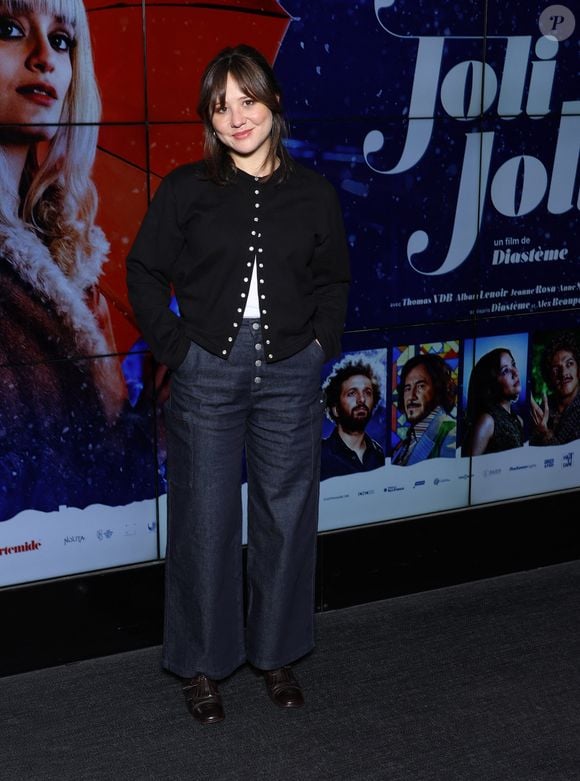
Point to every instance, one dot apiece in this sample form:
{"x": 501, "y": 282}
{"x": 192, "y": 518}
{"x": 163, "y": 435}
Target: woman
{"x": 60, "y": 431}
{"x": 556, "y": 420}
{"x": 492, "y": 424}
{"x": 253, "y": 246}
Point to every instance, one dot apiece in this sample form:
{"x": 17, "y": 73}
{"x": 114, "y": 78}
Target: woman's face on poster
{"x": 35, "y": 74}
{"x": 508, "y": 377}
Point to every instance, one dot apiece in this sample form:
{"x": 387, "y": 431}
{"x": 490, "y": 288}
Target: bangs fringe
{"x": 67, "y": 10}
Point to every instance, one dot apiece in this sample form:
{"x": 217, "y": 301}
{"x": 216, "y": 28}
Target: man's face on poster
{"x": 564, "y": 374}
{"x": 355, "y": 404}
{"x": 418, "y": 394}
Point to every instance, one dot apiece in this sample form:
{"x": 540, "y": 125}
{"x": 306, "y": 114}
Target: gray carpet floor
{"x": 479, "y": 681}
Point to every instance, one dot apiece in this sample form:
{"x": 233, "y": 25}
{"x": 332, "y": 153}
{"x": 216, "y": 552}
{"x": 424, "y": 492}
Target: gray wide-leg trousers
{"x": 216, "y": 409}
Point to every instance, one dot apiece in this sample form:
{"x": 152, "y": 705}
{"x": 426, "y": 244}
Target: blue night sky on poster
{"x": 455, "y": 157}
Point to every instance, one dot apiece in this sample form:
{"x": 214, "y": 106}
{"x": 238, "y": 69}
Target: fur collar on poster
{"x": 32, "y": 261}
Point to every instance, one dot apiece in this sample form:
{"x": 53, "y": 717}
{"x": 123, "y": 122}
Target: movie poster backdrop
{"x": 535, "y": 467}
{"x": 391, "y": 490}
{"x": 455, "y": 156}
{"x": 83, "y": 488}
{"x": 77, "y": 443}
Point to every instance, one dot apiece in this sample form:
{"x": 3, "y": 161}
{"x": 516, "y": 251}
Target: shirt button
{"x": 253, "y": 233}
{"x": 258, "y": 363}
{"x": 258, "y": 346}
{"x": 235, "y": 325}
{"x": 239, "y": 310}
{"x": 271, "y": 356}
{"x": 230, "y": 338}
{"x": 257, "y": 380}
{"x": 262, "y": 296}
{"x": 266, "y": 326}
{"x": 256, "y": 192}
{"x": 260, "y": 265}
{"x": 243, "y": 295}
{"x": 260, "y": 249}
{"x": 256, "y": 219}
{"x": 245, "y": 279}
{"x": 255, "y": 326}
{"x": 264, "y": 311}
{"x": 257, "y": 205}
{"x": 224, "y": 352}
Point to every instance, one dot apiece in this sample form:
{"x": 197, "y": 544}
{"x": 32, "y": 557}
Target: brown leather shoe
{"x": 203, "y": 699}
{"x": 283, "y": 688}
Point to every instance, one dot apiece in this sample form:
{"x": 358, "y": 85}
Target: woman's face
{"x": 35, "y": 74}
{"x": 564, "y": 372}
{"x": 243, "y": 125}
{"x": 508, "y": 378}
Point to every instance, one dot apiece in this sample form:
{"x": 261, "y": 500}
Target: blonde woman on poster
{"x": 60, "y": 416}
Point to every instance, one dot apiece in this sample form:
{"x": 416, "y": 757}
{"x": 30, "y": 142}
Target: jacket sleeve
{"x": 331, "y": 272}
{"x": 149, "y": 265}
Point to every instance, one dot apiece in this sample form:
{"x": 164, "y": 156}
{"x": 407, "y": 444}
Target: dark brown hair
{"x": 256, "y": 79}
{"x": 484, "y": 389}
{"x": 565, "y": 341}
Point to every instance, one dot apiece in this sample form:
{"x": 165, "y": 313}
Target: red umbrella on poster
{"x": 149, "y": 59}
